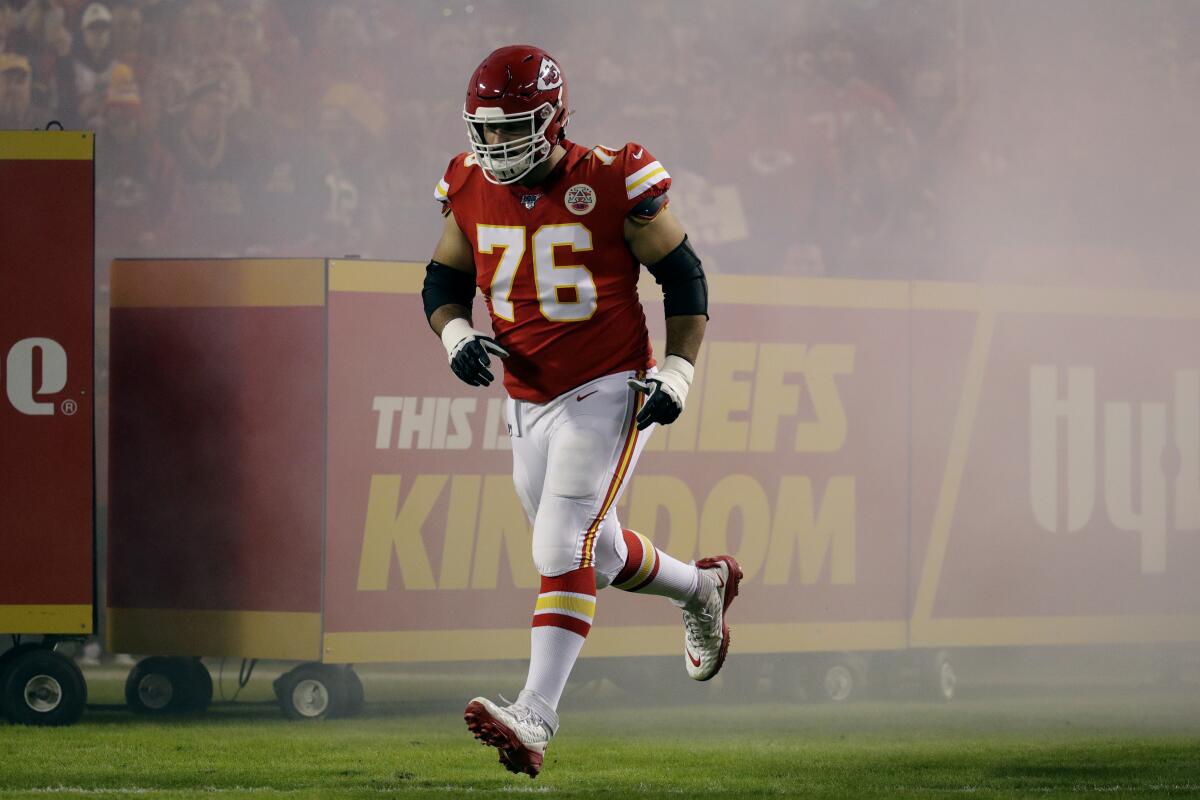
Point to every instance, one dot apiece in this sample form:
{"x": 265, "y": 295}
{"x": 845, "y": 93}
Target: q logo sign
{"x": 19, "y": 382}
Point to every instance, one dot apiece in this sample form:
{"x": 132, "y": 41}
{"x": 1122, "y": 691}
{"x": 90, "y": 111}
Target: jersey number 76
{"x": 549, "y": 277}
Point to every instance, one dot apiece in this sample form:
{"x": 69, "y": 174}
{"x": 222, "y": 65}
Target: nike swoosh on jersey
{"x": 581, "y": 397}
{"x": 638, "y": 154}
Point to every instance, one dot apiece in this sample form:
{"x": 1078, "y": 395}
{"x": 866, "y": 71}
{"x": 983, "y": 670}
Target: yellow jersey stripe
{"x": 636, "y": 177}
{"x": 645, "y": 183}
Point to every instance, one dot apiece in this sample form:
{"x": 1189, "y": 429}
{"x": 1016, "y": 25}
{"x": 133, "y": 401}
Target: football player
{"x": 554, "y": 234}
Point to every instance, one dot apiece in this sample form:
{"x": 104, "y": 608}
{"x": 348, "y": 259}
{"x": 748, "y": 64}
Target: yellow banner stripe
{"x": 288, "y": 635}
{"x": 46, "y": 145}
{"x": 1027, "y": 631}
{"x": 218, "y": 283}
{"x": 607, "y": 640}
{"x": 46, "y": 618}
{"x": 378, "y": 277}
{"x": 551, "y": 603}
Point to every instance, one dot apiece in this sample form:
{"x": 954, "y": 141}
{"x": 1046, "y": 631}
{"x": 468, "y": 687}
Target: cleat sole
{"x": 515, "y": 757}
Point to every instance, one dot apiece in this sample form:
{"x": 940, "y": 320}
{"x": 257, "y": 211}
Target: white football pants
{"x": 572, "y": 458}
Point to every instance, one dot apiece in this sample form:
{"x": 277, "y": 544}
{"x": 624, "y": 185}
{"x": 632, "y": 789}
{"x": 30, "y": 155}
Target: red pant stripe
{"x": 627, "y": 451}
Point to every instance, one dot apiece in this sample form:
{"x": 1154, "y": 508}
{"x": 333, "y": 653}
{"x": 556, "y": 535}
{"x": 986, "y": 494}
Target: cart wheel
{"x": 202, "y": 686}
{"x": 313, "y": 691}
{"x": 355, "y": 697}
{"x": 833, "y": 681}
{"x": 160, "y": 685}
{"x": 939, "y": 679}
{"x": 42, "y": 687}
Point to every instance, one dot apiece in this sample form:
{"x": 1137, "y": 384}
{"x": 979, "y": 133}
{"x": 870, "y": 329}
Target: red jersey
{"x": 551, "y": 260}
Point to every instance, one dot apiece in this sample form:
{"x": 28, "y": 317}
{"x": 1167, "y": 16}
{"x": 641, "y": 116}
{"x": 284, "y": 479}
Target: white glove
{"x": 468, "y": 351}
{"x": 666, "y": 392}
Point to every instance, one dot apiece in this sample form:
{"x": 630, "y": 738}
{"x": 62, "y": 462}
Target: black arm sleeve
{"x": 685, "y": 289}
{"x": 444, "y": 286}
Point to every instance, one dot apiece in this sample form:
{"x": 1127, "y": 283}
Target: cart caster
{"x": 41, "y": 687}
{"x": 835, "y": 680}
{"x": 314, "y": 691}
{"x": 939, "y": 681}
{"x": 202, "y": 686}
{"x": 161, "y": 685}
{"x": 355, "y": 696}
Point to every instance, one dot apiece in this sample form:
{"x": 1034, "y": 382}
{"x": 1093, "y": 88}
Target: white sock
{"x": 561, "y": 621}
{"x": 551, "y": 657}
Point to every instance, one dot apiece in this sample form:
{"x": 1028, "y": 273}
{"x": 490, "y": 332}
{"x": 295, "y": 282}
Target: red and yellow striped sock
{"x": 561, "y": 621}
{"x": 567, "y": 601}
{"x": 649, "y": 570}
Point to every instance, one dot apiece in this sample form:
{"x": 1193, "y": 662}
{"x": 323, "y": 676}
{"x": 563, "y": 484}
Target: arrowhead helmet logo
{"x": 548, "y": 76}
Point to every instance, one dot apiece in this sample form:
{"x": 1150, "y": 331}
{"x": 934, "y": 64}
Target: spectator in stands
{"x": 220, "y": 177}
{"x": 270, "y": 63}
{"x": 17, "y": 111}
{"x": 351, "y": 128}
{"x": 196, "y": 36}
{"x": 343, "y": 52}
{"x": 36, "y": 30}
{"x": 83, "y": 77}
{"x": 127, "y": 37}
{"x": 157, "y": 18}
{"x": 137, "y": 186}
{"x": 5, "y": 22}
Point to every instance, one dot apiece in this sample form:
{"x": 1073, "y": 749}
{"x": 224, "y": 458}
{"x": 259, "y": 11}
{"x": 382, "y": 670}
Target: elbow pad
{"x": 446, "y": 286}
{"x": 685, "y": 289}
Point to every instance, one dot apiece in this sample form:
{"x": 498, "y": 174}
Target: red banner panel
{"x": 216, "y": 475}
{"x": 1056, "y": 467}
{"x": 792, "y": 456}
{"x": 46, "y": 411}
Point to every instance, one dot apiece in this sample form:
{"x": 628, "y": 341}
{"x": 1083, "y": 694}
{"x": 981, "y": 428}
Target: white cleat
{"x": 706, "y": 633}
{"x": 515, "y": 730}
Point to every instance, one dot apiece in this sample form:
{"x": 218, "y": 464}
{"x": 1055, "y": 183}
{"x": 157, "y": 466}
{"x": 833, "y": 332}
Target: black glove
{"x": 468, "y": 350}
{"x": 666, "y": 392}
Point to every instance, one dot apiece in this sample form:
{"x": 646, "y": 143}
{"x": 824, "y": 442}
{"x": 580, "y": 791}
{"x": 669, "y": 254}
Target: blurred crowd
{"x": 959, "y": 139}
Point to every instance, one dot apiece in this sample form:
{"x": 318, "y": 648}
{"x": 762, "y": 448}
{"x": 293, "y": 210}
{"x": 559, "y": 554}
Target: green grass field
{"x": 411, "y": 742}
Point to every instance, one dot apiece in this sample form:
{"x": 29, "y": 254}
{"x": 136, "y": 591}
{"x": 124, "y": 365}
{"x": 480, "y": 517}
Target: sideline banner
{"x": 46, "y": 411}
{"x": 894, "y": 464}
{"x": 1056, "y": 466}
{"x": 792, "y": 455}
